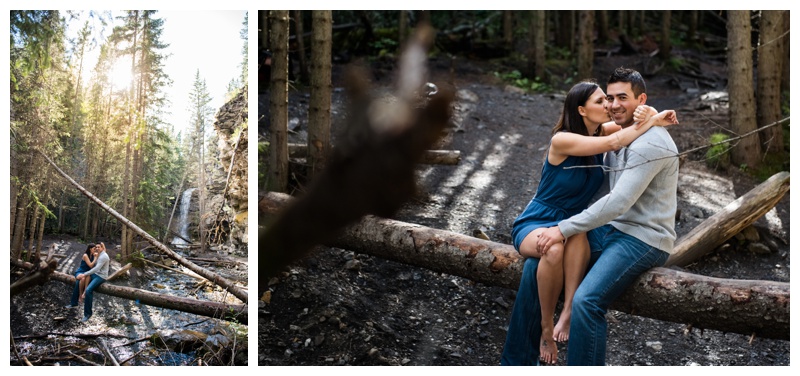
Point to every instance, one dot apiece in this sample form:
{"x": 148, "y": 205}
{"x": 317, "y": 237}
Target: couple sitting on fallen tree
{"x": 92, "y": 272}
{"x": 594, "y": 252}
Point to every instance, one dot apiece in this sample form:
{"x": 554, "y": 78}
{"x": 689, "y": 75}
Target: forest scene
{"x": 128, "y": 211}
{"x": 397, "y": 148}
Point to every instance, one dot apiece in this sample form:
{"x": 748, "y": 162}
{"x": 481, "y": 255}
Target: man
{"x": 640, "y": 211}
{"x": 98, "y": 275}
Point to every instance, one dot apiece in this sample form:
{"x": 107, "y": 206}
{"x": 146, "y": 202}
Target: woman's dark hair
{"x": 572, "y": 121}
{"x": 89, "y": 248}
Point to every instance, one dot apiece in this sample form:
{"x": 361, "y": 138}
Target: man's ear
{"x": 642, "y": 98}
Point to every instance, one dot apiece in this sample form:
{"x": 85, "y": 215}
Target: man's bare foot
{"x": 561, "y": 331}
{"x": 548, "y": 351}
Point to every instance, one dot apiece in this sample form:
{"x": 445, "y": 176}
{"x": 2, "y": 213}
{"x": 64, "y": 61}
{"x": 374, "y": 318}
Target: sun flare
{"x": 120, "y": 74}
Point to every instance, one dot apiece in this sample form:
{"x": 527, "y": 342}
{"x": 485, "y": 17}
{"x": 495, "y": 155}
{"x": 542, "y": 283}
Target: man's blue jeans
{"x": 96, "y": 280}
{"x": 617, "y": 260}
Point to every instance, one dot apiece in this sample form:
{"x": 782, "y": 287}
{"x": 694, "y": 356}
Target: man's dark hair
{"x": 631, "y": 76}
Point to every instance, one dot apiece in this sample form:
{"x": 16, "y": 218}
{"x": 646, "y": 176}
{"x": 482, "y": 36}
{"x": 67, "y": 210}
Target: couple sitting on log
{"x": 92, "y": 272}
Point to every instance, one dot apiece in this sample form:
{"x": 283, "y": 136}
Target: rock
{"x": 373, "y": 352}
{"x": 499, "y": 301}
{"x": 353, "y": 265}
{"x": 405, "y": 361}
{"x": 513, "y": 90}
{"x": 758, "y": 248}
{"x": 751, "y": 234}
{"x": 318, "y": 340}
{"x": 466, "y": 95}
{"x": 655, "y": 345}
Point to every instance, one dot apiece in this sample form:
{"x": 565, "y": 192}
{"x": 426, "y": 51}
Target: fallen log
{"x": 500, "y": 265}
{"x": 747, "y": 307}
{"x": 731, "y": 220}
{"x": 211, "y": 276}
{"x": 217, "y": 310}
{"x": 119, "y": 272}
{"x": 430, "y": 157}
{"x": 38, "y": 277}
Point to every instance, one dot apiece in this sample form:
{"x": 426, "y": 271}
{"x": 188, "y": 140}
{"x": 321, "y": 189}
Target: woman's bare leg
{"x": 83, "y": 284}
{"x": 576, "y": 257}
{"x": 550, "y": 277}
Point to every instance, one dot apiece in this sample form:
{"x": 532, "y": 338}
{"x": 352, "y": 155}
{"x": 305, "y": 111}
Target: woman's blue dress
{"x": 562, "y": 193}
{"x": 83, "y": 268}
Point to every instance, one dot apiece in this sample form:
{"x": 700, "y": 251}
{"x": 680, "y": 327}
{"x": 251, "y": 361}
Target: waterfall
{"x": 182, "y": 223}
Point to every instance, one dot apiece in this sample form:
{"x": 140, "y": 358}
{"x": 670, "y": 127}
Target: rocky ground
{"x": 47, "y": 333}
{"x": 340, "y": 308}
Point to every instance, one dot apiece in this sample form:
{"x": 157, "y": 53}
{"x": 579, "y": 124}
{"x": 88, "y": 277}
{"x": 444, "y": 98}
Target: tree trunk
{"x": 566, "y": 27}
{"x": 760, "y": 307}
{"x": 301, "y": 45}
{"x": 319, "y": 105}
{"x": 402, "y": 29}
{"x": 536, "y": 54}
{"x": 19, "y": 225}
{"x": 211, "y": 276}
{"x": 692, "y": 35}
{"x": 431, "y": 157}
{"x": 45, "y": 200}
{"x": 217, "y": 310}
{"x": 264, "y": 32}
{"x": 602, "y": 26}
{"x": 277, "y": 154}
{"x": 585, "y": 43}
{"x": 746, "y": 307}
{"x": 32, "y": 231}
{"x": 731, "y": 220}
{"x": 786, "y": 48}
{"x": 740, "y": 89}
{"x": 641, "y": 22}
{"x": 508, "y": 29}
{"x": 622, "y": 21}
{"x": 665, "y": 47}
{"x": 770, "y": 67}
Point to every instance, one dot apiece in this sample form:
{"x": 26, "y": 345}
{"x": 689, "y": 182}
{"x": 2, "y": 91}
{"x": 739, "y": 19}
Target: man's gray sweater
{"x": 643, "y": 182}
{"x": 101, "y": 267}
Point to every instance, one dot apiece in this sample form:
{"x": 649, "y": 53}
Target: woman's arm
{"x": 88, "y": 261}
{"x": 571, "y": 144}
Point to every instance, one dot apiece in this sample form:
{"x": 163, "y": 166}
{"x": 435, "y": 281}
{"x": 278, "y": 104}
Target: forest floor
{"x": 340, "y": 308}
{"x": 46, "y": 332}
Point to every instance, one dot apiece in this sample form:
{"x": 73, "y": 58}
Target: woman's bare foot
{"x": 548, "y": 351}
{"x": 82, "y": 296}
{"x": 561, "y": 331}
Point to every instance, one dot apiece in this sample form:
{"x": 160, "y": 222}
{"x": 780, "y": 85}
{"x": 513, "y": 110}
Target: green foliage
{"x": 384, "y": 46}
{"x": 718, "y": 156}
{"x": 676, "y": 63}
{"x": 771, "y": 165}
{"x": 515, "y": 78}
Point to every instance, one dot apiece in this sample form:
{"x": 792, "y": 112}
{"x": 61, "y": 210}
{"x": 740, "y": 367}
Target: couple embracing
{"x": 628, "y": 170}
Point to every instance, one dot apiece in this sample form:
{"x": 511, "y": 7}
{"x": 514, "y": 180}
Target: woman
{"x": 580, "y": 137}
{"x": 87, "y": 263}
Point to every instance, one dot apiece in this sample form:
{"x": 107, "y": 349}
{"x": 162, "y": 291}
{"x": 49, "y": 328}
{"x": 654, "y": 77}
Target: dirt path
{"x": 337, "y": 307}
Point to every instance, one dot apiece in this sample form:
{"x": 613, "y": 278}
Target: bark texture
{"x": 731, "y": 220}
{"x": 740, "y": 89}
{"x": 660, "y": 293}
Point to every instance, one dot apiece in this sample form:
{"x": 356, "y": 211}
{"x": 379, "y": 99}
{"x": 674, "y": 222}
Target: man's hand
{"x": 80, "y": 277}
{"x": 549, "y": 237}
